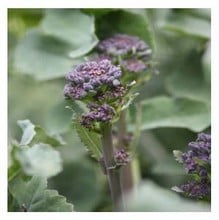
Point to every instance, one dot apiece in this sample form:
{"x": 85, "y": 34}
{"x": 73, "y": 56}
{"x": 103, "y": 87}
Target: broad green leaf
{"x": 206, "y": 62}
{"x": 43, "y": 57}
{"x": 149, "y": 197}
{"x": 34, "y": 197}
{"x": 188, "y": 25}
{"x": 40, "y": 159}
{"x": 97, "y": 11}
{"x": 204, "y": 13}
{"x": 82, "y": 183}
{"x": 33, "y": 134}
{"x": 13, "y": 165}
{"x": 135, "y": 21}
{"x": 73, "y": 27}
{"x": 128, "y": 21}
{"x": 188, "y": 83}
{"x": 168, "y": 167}
{"x": 59, "y": 117}
{"x": 90, "y": 139}
{"x": 170, "y": 112}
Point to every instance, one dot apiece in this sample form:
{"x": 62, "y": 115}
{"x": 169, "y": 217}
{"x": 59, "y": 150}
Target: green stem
{"x": 126, "y": 171}
{"x": 113, "y": 175}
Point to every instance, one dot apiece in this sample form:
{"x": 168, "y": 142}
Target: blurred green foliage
{"x": 43, "y": 46}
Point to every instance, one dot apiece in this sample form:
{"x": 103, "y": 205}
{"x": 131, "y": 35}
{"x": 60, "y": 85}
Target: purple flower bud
{"x": 97, "y": 113}
{"x": 122, "y": 44}
{"x": 90, "y": 76}
{"x": 121, "y": 157}
{"x": 196, "y": 190}
{"x": 111, "y": 94}
{"x": 197, "y": 161}
{"x": 204, "y": 137}
{"x": 133, "y": 65}
{"x": 74, "y": 92}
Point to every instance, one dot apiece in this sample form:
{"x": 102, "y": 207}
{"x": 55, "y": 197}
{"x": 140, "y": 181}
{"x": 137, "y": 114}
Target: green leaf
{"x": 59, "y": 117}
{"x": 13, "y": 170}
{"x": 40, "y": 159}
{"x": 138, "y": 23}
{"x": 168, "y": 167}
{"x": 97, "y": 11}
{"x": 206, "y": 63}
{"x": 42, "y": 57}
{"x": 82, "y": 183}
{"x": 34, "y": 197}
{"x": 149, "y": 197}
{"x": 73, "y": 27}
{"x": 204, "y": 13}
{"x": 28, "y": 131}
{"x": 129, "y": 21}
{"x": 188, "y": 25}
{"x": 191, "y": 86}
{"x": 90, "y": 139}
{"x": 33, "y": 134}
{"x": 169, "y": 112}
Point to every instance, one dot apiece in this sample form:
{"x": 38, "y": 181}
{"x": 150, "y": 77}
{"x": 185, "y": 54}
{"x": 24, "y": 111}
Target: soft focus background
{"x": 45, "y": 44}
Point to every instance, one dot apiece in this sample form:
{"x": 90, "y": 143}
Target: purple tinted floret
{"x": 122, "y": 44}
{"x": 197, "y": 161}
{"x": 121, "y": 157}
{"x": 196, "y": 189}
{"x": 97, "y": 113}
{"x": 128, "y": 51}
{"x": 111, "y": 94}
{"x": 200, "y": 150}
{"x": 133, "y": 65}
{"x": 89, "y": 77}
{"x": 74, "y": 92}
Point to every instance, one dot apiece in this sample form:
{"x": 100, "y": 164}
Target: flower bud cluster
{"x": 97, "y": 83}
{"x": 89, "y": 77}
{"x": 128, "y": 51}
{"x": 97, "y": 113}
{"x": 197, "y": 161}
{"x": 121, "y": 157}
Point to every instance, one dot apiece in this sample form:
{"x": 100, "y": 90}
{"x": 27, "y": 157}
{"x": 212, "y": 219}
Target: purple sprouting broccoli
{"x": 122, "y": 44}
{"x": 197, "y": 162}
{"x": 121, "y": 157}
{"x": 96, "y": 83}
{"x": 129, "y": 52}
{"x": 134, "y": 65}
{"x": 97, "y": 113}
{"x": 90, "y": 77}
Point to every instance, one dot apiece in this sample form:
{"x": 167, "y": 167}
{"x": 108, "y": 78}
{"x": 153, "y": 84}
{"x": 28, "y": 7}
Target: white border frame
{"x": 109, "y": 4}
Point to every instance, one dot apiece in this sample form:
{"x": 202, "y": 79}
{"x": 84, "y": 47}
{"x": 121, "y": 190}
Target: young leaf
{"x": 28, "y": 131}
{"x": 33, "y": 134}
{"x": 90, "y": 139}
{"x": 40, "y": 159}
{"x": 34, "y": 197}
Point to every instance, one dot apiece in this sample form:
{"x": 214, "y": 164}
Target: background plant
{"x": 43, "y": 46}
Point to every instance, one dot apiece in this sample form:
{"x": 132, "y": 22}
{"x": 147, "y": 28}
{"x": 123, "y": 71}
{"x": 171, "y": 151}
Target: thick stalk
{"x": 113, "y": 175}
{"x": 127, "y": 181}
